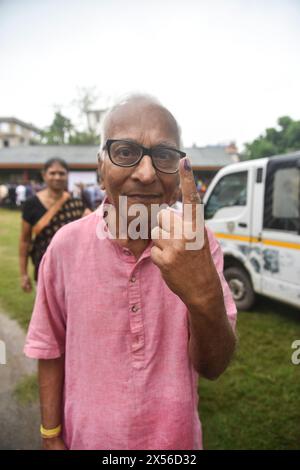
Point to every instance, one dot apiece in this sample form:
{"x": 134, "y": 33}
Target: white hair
{"x": 133, "y": 98}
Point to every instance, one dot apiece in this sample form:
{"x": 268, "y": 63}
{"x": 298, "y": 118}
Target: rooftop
{"x": 27, "y": 125}
{"x": 85, "y": 156}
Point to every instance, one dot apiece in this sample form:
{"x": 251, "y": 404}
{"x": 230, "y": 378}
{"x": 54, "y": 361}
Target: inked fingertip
{"x": 187, "y": 164}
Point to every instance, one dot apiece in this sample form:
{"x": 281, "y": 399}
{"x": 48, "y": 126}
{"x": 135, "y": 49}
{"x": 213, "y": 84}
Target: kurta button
{"x": 134, "y": 308}
{"x": 133, "y": 279}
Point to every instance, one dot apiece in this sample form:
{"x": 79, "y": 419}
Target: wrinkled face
{"x": 56, "y": 177}
{"x": 148, "y": 126}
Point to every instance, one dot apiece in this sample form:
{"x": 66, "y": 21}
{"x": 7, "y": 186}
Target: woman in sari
{"x": 43, "y": 214}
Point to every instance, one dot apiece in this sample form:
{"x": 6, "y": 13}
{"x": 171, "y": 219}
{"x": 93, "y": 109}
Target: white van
{"x": 253, "y": 209}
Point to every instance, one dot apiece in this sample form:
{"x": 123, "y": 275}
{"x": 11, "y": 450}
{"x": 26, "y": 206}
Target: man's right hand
{"x": 26, "y": 283}
{"x": 55, "y": 443}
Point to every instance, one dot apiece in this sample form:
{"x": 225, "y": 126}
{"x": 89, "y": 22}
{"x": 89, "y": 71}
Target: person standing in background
{"x": 20, "y": 195}
{"x": 43, "y": 215}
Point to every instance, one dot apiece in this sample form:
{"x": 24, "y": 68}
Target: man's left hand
{"x": 189, "y": 273}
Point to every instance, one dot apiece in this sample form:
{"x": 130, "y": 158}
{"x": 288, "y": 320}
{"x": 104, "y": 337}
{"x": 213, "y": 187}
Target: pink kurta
{"x": 129, "y": 382}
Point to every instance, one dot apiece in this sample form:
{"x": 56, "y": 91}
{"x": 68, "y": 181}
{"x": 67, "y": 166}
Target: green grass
{"x": 13, "y": 300}
{"x": 256, "y": 402}
{"x": 26, "y": 391}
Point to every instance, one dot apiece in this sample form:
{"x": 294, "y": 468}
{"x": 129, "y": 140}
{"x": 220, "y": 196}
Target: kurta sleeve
{"x": 217, "y": 255}
{"x": 47, "y": 329}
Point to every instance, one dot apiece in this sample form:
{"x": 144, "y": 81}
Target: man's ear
{"x": 100, "y": 171}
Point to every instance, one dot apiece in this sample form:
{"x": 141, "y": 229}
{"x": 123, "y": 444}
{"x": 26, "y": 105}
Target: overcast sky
{"x": 226, "y": 69}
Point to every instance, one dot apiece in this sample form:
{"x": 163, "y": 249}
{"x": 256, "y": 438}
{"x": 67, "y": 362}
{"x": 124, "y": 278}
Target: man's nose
{"x": 145, "y": 171}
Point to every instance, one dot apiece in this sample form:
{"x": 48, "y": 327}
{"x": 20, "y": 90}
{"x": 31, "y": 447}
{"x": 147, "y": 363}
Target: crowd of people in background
{"x": 201, "y": 187}
{"x": 14, "y": 195}
{"x": 90, "y": 194}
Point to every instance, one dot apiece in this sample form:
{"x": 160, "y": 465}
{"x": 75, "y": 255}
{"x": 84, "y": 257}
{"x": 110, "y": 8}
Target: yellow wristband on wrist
{"x": 49, "y": 433}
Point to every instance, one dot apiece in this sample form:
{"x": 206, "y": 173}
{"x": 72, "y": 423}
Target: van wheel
{"x": 241, "y": 287}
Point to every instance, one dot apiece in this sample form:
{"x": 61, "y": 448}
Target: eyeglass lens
{"x": 127, "y": 154}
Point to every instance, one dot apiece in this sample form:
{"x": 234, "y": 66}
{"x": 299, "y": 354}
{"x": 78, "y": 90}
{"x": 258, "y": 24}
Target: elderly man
{"x": 123, "y": 326}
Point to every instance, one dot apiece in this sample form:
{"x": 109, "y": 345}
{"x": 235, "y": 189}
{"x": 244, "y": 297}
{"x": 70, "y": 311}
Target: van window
{"x": 230, "y": 191}
{"x": 284, "y": 213}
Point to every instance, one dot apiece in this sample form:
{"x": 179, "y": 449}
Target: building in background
{"x": 14, "y": 132}
{"x": 24, "y": 164}
{"x": 207, "y": 161}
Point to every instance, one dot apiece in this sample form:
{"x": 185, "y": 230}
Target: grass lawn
{"x": 12, "y": 299}
{"x": 256, "y": 402}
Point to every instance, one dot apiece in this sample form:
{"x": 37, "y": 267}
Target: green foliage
{"x": 62, "y": 132}
{"x": 27, "y": 391}
{"x": 275, "y": 141}
{"x": 84, "y": 138}
{"x": 59, "y": 131}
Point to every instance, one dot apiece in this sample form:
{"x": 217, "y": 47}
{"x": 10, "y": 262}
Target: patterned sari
{"x": 71, "y": 210}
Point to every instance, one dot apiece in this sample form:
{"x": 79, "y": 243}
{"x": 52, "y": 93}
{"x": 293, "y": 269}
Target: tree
{"x": 84, "y": 138}
{"x": 60, "y": 130}
{"x": 275, "y": 141}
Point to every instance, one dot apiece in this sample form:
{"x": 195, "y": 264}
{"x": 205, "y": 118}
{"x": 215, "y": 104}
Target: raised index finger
{"x": 187, "y": 182}
{"x": 193, "y": 214}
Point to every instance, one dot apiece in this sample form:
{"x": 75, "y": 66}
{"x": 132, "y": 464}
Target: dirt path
{"x": 19, "y": 424}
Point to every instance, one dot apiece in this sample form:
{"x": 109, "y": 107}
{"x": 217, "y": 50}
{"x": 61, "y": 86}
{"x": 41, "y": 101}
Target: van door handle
{"x": 242, "y": 224}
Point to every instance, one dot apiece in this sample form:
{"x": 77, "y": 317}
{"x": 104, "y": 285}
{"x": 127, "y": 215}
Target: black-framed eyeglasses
{"x": 126, "y": 154}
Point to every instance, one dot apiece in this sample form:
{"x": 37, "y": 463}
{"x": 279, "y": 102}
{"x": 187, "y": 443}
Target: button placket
{"x": 135, "y": 319}
{"x": 127, "y": 256}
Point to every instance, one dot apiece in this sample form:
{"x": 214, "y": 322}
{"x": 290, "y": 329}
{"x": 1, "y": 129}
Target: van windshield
{"x": 230, "y": 191}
